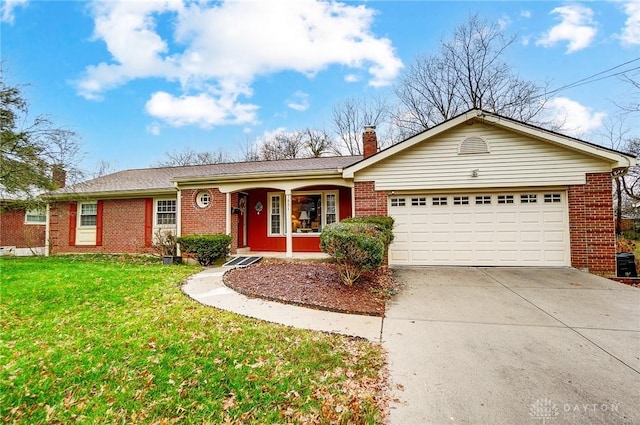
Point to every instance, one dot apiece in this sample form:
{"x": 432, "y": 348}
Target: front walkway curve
{"x": 207, "y": 288}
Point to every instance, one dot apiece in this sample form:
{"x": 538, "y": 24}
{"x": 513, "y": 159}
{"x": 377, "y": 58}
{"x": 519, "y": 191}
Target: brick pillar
{"x": 368, "y": 201}
{"x": 369, "y": 141}
{"x": 592, "y": 226}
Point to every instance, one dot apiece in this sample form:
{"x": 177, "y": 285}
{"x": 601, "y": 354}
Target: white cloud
{"x": 228, "y": 45}
{"x": 7, "y": 9}
{"x": 203, "y": 110}
{"x": 352, "y": 78}
{"x": 154, "y": 129}
{"x": 573, "y": 118}
{"x": 631, "y": 32}
{"x": 299, "y": 101}
{"x": 576, "y": 27}
{"x": 525, "y": 14}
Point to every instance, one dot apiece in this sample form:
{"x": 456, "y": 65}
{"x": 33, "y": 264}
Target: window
{"x": 418, "y": 202}
{"x": 483, "y": 200}
{"x": 552, "y": 198}
{"x": 311, "y": 211}
{"x": 398, "y": 202}
{"x": 460, "y": 200}
{"x": 203, "y": 199}
{"x": 35, "y": 216}
{"x": 528, "y": 199}
{"x": 166, "y": 212}
{"x": 275, "y": 215}
{"x": 88, "y": 214}
{"x": 505, "y": 199}
{"x": 439, "y": 200}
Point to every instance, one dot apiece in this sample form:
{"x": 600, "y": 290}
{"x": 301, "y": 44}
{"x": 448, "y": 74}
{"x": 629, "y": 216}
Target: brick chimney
{"x": 59, "y": 176}
{"x": 369, "y": 141}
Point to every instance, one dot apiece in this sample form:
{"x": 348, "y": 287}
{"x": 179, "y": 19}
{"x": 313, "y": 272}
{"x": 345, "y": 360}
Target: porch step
{"x": 242, "y": 261}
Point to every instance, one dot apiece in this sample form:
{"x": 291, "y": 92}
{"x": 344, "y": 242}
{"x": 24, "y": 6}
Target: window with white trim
{"x": 311, "y": 211}
{"x": 439, "y": 200}
{"x": 418, "y": 202}
{"x": 203, "y": 199}
{"x": 165, "y": 212}
{"x": 530, "y": 198}
{"x": 552, "y": 198}
{"x": 483, "y": 200}
{"x": 398, "y": 202}
{"x": 460, "y": 200}
{"x": 88, "y": 214}
{"x": 35, "y": 216}
{"x": 275, "y": 215}
{"x": 505, "y": 199}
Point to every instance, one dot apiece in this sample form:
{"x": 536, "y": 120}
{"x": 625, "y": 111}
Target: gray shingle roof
{"x": 150, "y": 179}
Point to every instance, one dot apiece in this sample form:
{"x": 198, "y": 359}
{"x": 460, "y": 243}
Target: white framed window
{"x": 311, "y": 211}
{"x": 552, "y": 198}
{"x": 276, "y": 210}
{"x": 418, "y": 202}
{"x": 165, "y": 212}
{"x": 203, "y": 199}
{"x": 531, "y": 198}
{"x": 35, "y": 216}
{"x": 88, "y": 214}
{"x": 460, "y": 200}
{"x": 398, "y": 202}
{"x": 439, "y": 200}
{"x": 505, "y": 199}
{"x": 483, "y": 200}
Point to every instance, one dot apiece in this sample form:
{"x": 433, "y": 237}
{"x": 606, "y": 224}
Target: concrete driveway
{"x": 495, "y": 346}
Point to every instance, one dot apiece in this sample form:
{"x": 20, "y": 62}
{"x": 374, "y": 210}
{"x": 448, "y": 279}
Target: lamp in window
{"x": 304, "y": 217}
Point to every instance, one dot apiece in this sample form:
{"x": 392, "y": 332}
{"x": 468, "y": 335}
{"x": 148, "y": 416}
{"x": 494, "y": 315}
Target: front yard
{"x": 108, "y": 340}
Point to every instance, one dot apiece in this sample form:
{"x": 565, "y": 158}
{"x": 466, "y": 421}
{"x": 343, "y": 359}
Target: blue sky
{"x": 136, "y": 79}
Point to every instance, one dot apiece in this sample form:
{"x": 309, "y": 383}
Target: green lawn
{"x": 114, "y": 340}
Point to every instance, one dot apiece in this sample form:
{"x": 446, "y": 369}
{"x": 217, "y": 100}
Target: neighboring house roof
{"x": 617, "y": 159}
{"x": 161, "y": 180}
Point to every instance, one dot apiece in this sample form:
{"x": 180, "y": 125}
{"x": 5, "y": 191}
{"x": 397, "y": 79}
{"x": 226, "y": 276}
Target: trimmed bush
{"x": 206, "y": 248}
{"x": 382, "y": 222}
{"x": 356, "y": 248}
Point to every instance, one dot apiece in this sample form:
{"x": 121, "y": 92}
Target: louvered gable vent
{"x": 473, "y": 144}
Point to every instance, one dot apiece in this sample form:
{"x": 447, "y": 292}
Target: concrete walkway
{"x": 207, "y": 288}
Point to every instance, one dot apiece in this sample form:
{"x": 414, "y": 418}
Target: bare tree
{"x": 633, "y": 98}
{"x": 467, "y": 72}
{"x": 307, "y": 143}
{"x": 32, "y": 150}
{"x": 189, "y": 156}
{"x": 351, "y": 116}
{"x": 318, "y": 142}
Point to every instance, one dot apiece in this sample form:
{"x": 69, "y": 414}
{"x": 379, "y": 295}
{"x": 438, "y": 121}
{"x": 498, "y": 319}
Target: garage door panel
{"x": 518, "y": 233}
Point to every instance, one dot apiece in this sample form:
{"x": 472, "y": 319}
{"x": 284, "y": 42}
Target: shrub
{"x": 165, "y": 243}
{"x": 206, "y": 248}
{"x": 382, "y": 222}
{"x": 356, "y": 248}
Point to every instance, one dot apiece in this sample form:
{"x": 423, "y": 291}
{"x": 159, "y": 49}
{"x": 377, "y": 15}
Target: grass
{"x": 113, "y": 340}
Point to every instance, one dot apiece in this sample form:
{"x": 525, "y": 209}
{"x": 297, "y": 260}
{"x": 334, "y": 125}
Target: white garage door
{"x": 493, "y": 229}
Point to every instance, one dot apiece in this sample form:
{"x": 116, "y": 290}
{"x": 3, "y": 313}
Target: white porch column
{"x": 228, "y": 214}
{"x": 287, "y": 222}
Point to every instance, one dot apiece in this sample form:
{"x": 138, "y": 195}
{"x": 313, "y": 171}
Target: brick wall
{"x": 368, "y": 201}
{"x": 14, "y": 231}
{"x": 123, "y": 228}
{"x": 591, "y": 225}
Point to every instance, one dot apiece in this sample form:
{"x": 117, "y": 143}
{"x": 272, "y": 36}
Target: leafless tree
{"x": 307, "y": 143}
{"x": 467, "y": 72}
{"x": 351, "y": 116}
{"x": 632, "y": 80}
{"x": 189, "y": 156}
{"x": 318, "y": 142}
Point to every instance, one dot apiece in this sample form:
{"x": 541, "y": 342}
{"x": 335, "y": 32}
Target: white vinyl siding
{"x": 514, "y": 160}
{"x": 487, "y": 232}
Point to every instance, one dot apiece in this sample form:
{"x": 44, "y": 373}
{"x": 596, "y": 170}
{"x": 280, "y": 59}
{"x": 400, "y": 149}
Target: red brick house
{"x": 479, "y": 189}
{"x": 22, "y": 231}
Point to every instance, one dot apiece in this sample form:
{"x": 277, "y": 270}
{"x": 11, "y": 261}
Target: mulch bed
{"x": 315, "y": 285}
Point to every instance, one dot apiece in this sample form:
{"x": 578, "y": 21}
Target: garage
{"x": 514, "y": 228}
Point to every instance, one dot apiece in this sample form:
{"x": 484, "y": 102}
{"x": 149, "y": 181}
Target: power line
{"x": 592, "y": 79}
